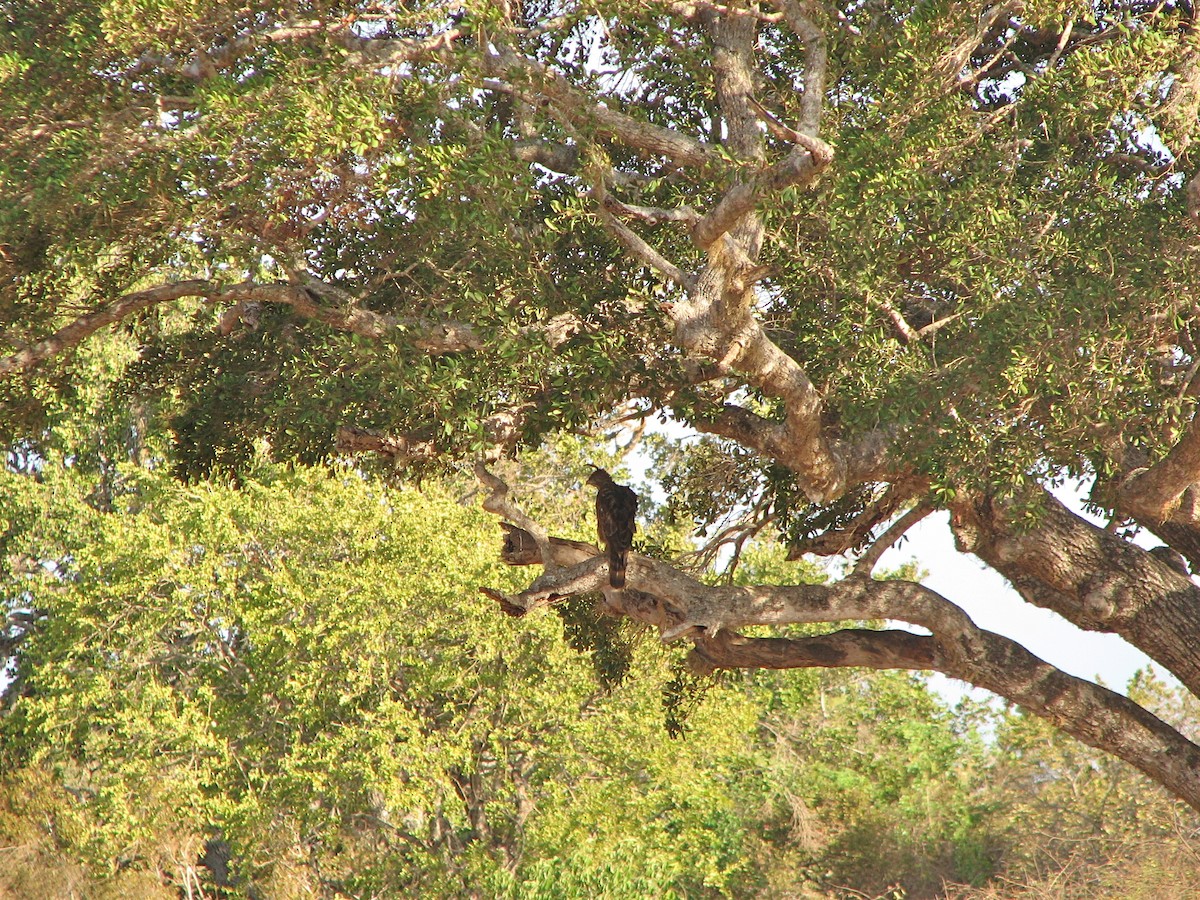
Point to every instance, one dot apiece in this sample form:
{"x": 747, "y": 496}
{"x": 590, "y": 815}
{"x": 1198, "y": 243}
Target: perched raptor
{"x": 616, "y": 506}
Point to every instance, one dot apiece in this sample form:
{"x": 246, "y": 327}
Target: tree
{"x": 261, "y": 691}
{"x": 888, "y": 257}
{"x": 293, "y": 688}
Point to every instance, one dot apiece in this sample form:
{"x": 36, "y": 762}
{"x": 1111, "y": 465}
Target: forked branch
{"x": 710, "y": 616}
{"x": 434, "y": 337}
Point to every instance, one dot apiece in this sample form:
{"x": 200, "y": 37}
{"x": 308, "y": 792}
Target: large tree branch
{"x": 716, "y": 321}
{"x": 1089, "y": 576}
{"x": 430, "y": 336}
{"x": 861, "y": 648}
{"x": 1095, "y": 715}
{"x": 1153, "y": 494}
{"x": 402, "y": 449}
{"x": 801, "y": 19}
{"x": 849, "y": 647}
{"x": 682, "y": 607}
{"x": 733, "y": 63}
{"x": 375, "y": 53}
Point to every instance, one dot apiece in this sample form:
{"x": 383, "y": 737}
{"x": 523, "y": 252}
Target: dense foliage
{"x": 294, "y": 688}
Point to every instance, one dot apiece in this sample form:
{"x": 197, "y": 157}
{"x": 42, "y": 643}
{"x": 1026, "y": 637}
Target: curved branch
{"x": 636, "y": 247}
{"x": 1091, "y": 577}
{"x": 498, "y": 503}
{"x": 682, "y": 607}
{"x": 74, "y": 333}
{"x": 431, "y": 336}
{"x": 896, "y": 530}
{"x": 1153, "y": 494}
{"x": 716, "y": 321}
{"x": 799, "y": 16}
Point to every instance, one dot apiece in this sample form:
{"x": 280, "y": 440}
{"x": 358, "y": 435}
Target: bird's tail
{"x": 616, "y": 567}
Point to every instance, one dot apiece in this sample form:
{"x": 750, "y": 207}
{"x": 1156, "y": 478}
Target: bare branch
{"x": 854, "y": 534}
{"x": 798, "y": 169}
{"x": 381, "y": 53}
{"x": 908, "y": 334}
{"x": 937, "y": 325}
{"x": 520, "y": 549}
{"x": 561, "y": 158}
{"x": 858, "y": 647}
{"x": 733, "y": 206}
{"x": 1152, "y": 494}
{"x": 402, "y": 449}
{"x": 692, "y": 11}
{"x": 76, "y": 332}
{"x": 1062, "y": 43}
{"x": 716, "y": 321}
{"x": 640, "y": 250}
{"x": 738, "y": 424}
{"x": 800, "y": 17}
{"x": 1089, "y": 576}
{"x": 498, "y": 503}
{"x": 870, "y": 559}
{"x": 578, "y": 109}
{"x": 651, "y": 215}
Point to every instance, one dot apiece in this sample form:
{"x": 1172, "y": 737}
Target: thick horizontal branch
{"x": 401, "y": 448}
{"x": 427, "y": 335}
{"x": 80, "y": 329}
{"x": 708, "y": 615}
{"x": 851, "y": 647}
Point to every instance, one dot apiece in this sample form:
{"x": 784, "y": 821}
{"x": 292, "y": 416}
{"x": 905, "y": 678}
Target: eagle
{"x": 616, "y": 506}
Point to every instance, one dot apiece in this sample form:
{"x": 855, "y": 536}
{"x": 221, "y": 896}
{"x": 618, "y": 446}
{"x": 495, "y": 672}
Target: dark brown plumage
{"x": 616, "y": 509}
